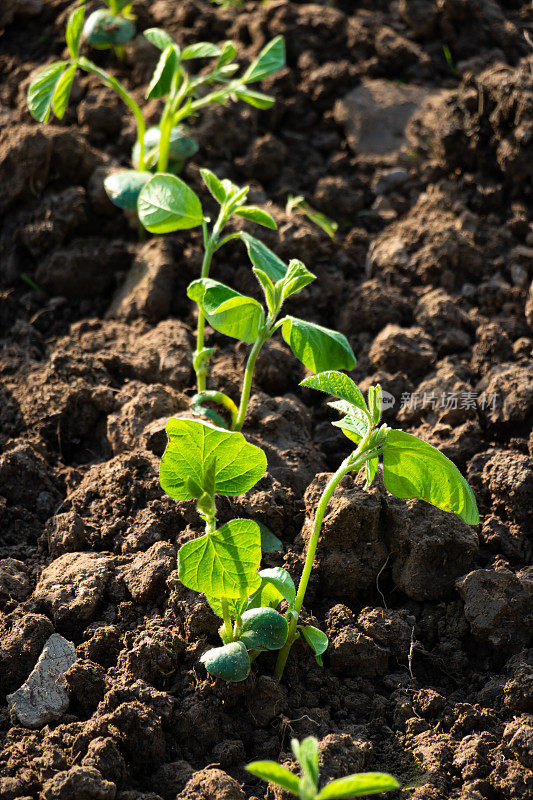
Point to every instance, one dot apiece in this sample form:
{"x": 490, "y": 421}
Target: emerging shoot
{"x": 411, "y": 469}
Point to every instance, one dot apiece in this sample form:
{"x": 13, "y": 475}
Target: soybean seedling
{"x": 306, "y": 786}
{"x": 300, "y": 205}
{"x": 111, "y": 28}
{"x": 167, "y": 204}
{"x": 200, "y": 462}
{"x": 243, "y": 318}
{"x": 412, "y": 468}
{"x": 165, "y": 146}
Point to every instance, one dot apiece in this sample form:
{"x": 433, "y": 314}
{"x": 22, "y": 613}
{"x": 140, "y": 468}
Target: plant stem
{"x": 248, "y": 376}
{"x": 164, "y": 140}
{"x": 201, "y": 375}
{"x": 228, "y": 630}
{"x": 347, "y": 465}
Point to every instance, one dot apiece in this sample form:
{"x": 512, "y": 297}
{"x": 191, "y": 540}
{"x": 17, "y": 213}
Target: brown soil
{"x": 428, "y": 674}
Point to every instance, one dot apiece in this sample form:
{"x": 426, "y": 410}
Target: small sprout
{"x": 300, "y": 205}
{"x": 411, "y": 469}
{"x": 167, "y": 204}
{"x": 165, "y": 146}
{"x": 200, "y": 462}
{"x": 230, "y": 662}
{"x": 243, "y": 318}
{"x": 306, "y": 787}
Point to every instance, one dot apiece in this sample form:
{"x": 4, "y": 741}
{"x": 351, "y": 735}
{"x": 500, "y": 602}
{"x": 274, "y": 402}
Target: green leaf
{"x": 73, "y": 31}
{"x": 413, "y": 468}
{"x": 337, "y": 384}
{"x": 158, "y": 37}
{"x": 228, "y": 311}
{"x": 297, "y": 277}
{"x": 227, "y": 54}
{"x": 263, "y": 258}
{"x": 270, "y": 59}
{"x": 163, "y": 73}
{"x": 62, "y": 91}
{"x": 200, "y": 50}
{"x": 258, "y": 215}
{"x": 276, "y": 585}
{"x": 214, "y": 185}
{"x": 317, "y": 348}
{"x": 357, "y": 785}
{"x": 123, "y": 187}
{"x": 273, "y": 772}
{"x": 371, "y": 467}
{"x": 267, "y": 286}
{"x": 239, "y": 464}
{"x": 317, "y": 641}
{"x": 354, "y": 427}
{"x": 269, "y": 541}
{"x": 41, "y": 91}
{"x": 223, "y": 563}
{"x": 307, "y": 754}
{"x": 167, "y": 204}
{"x": 255, "y": 99}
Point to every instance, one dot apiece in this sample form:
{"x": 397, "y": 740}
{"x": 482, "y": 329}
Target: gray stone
{"x": 43, "y": 698}
{"x": 376, "y": 113}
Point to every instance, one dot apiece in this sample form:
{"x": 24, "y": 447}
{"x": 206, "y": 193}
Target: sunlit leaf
{"x": 228, "y": 311}
{"x": 270, "y": 60}
{"x": 317, "y": 348}
{"x": 274, "y": 773}
{"x": 357, "y": 785}
{"x": 167, "y": 204}
{"x": 41, "y": 91}
{"x": 223, "y": 563}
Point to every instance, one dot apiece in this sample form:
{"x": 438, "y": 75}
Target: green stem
{"x": 248, "y": 376}
{"x": 347, "y": 465}
{"x": 201, "y": 375}
{"x": 228, "y": 630}
{"x": 109, "y": 80}
{"x": 165, "y": 129}
{"x": 216, "y": 397}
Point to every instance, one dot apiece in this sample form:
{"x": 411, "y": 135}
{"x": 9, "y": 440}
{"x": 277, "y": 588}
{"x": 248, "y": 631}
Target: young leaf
{"x": 270, "y": 59}
{"x": 267, "y": 286}
{"x": 263, "y": 629}
{"x": 413, "y": 468}
{"x": 371, "y": 467}
{"x": 337, "y": 384}
{"x": 317, "y": 347}
{"x": 353, "y": 427}
{"x": 357, "y": 785}
{"x": 73, "y": 31}
{"x": 159, "y": 38}
{"x": 227, "y": 54}
{"x": 258, "y": 215}
{"x": 228, "y": 311}
{"x": 307, "y": 754}
{"x": 167, "y": 204}
{"x": 255, "y": 99}
{"x": 200, "y": 50}
{"x": 41, "y": 91}
{"x": 164, "y": 72}
{"x": 274, "y": 773}
{"x": 214, "y": 185}
{"x": 239, "y": 464}
{"x": 223, "y": 563}
{"x": 62, "y": 91}
{"x": 297, "y": 277}
{"x": 276, "y": 585}
{"x": 263, "y": 258}
{"x": 317, "y": 641}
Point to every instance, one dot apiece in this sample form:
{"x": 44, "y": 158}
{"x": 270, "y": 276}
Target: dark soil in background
{"x": 428, "y": 674}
